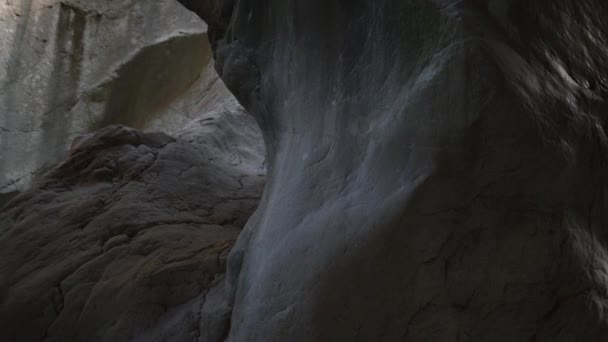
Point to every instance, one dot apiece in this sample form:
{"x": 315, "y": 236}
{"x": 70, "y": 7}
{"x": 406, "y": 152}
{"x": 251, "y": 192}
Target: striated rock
{"x": 127, "y": 239}
{"x": 436, "y": 170}
{"x": 72, "y": 67}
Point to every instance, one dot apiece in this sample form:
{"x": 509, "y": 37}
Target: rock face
{"x": 436, "y": 169}
{"x": 127, "y": 239}
{"x": 436, "y": 172}
{"x": 72, "y": 67}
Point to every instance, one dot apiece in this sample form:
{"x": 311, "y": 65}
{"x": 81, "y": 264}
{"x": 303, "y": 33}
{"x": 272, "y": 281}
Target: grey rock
{"x": 72, "y": 67}
{"x": 127, "y": 237}
{"x": 6, "y": 196}
{"x": 436, "y": 170}
{"x": 115, "y": 241}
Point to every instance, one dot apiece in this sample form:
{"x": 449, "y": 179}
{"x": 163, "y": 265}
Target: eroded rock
{"x": 72, "y": 67}
{"x": 436, "y": 170}
{"x": 125, "y": 239}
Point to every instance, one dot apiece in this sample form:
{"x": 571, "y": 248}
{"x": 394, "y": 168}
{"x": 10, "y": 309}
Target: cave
{"x": 303, "y": 171}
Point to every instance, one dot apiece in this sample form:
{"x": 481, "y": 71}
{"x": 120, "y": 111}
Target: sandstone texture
{"x": 436, "y": 169}
{"x": 127, "y": 238}
{"x": 73, "y": 66}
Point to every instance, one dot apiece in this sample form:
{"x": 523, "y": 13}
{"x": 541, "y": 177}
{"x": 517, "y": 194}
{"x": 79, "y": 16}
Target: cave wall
{"x": 436, "y": 170}
{"x": 108, "y": 232}
{"x": 72, "y": 67}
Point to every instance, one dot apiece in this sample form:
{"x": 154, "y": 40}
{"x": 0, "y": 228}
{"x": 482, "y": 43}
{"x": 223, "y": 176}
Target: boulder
{"x": 127, "y": 238}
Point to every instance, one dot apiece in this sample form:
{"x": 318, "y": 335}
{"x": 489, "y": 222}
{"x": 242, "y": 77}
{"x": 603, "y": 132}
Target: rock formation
{"x": 126, "y": 238}
{"x": 435, "y": 172}
{"x": 436, "y": 169}
{"x": 72, "y": 67}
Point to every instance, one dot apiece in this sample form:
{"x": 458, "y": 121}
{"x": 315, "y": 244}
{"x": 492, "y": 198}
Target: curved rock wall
{"x": 72, "y": 67}
{"x": 436, "y": 170}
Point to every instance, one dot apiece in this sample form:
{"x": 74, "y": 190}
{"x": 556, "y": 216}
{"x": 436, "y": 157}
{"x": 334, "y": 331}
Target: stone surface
{"x": 72, "y": 67}
{"x": 127, "y": 239}
{"x": 436, "y": 169}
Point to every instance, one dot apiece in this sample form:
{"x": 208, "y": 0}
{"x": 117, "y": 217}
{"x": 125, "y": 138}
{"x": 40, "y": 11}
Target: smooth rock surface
{"x": 436, "y": 170}
{"x": 72, "y": 67}
{"x": 127, "y": 239}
